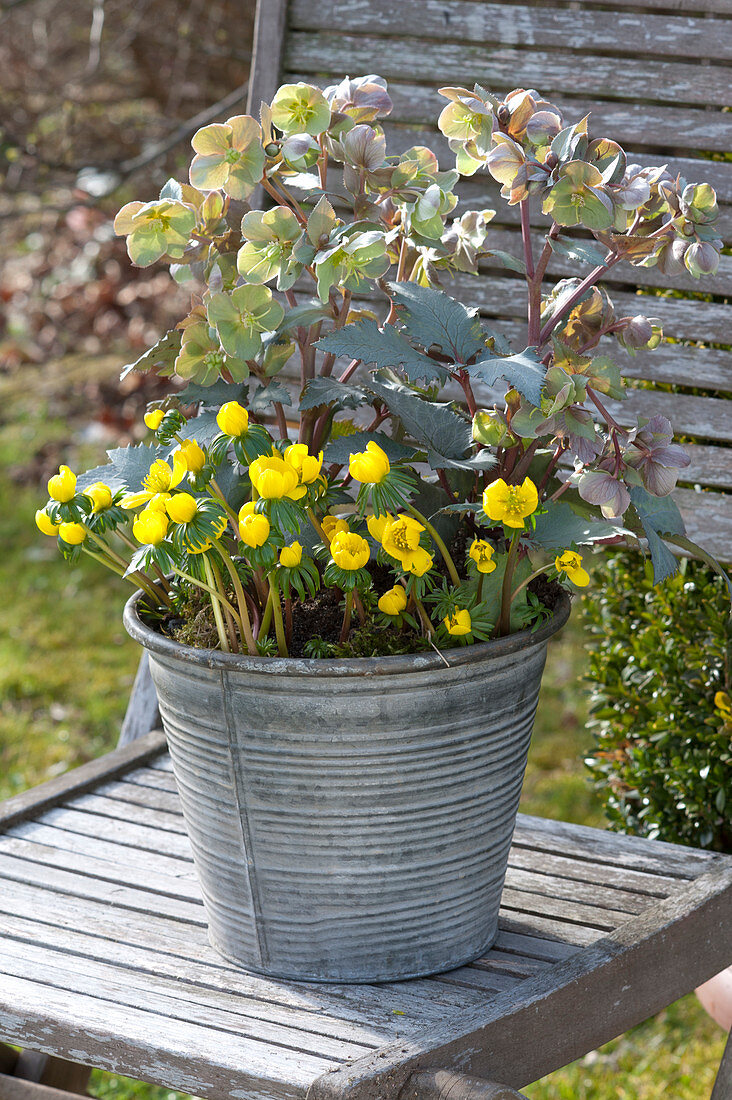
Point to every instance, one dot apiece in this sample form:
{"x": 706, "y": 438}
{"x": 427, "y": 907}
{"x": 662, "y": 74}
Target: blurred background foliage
{"x": 98, "y": 100}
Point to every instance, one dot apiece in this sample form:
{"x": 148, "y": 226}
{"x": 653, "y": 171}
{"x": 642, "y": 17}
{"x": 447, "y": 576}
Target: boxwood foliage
{"x": 659, "y": 659}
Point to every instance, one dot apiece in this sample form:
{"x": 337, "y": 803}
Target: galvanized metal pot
{"x": 350, "y": 819}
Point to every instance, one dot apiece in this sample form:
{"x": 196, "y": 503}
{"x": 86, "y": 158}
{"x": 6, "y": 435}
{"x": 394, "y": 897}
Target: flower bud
{"x": 233, "y": 419}
{"x": 370, "y": 466}
{"x": 193, "y": 455}
{"x": 306, "y": 466}
{"x": 72, "y": 533}
{"x": 349, "y": 550}
{"x": 273, "y": 478}
{"x": 394, "y": 601}
{"x": 100, "y": 495}
{"x": 701, "y": 258}
{"x": 153, "y": 419}
{"x": 150, "y": 527}
{"x": 62, "y": 486}
{"x": 45, "y": 524}
{"x": 290, "y": 556}
{"x": 181, "y": 508}
{"x": 333, "y": 525}
{"x": 253, "y": 528}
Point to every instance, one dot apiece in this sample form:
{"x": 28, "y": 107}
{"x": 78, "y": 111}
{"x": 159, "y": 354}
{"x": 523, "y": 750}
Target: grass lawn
{"x": 66, "y": 668}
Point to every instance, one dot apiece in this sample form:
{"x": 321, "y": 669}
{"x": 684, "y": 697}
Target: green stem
{"x": 479, "y": 593}
{"x": 346, "y": 628}
{"x": 429, "y": 629}
{"x": 504, "y": 623}
{"x": 438, "y": 542}
{"x": 241, "y": 601}
{"x": 536, "y": 573}
{"x": 153, "y": 590}
{"x": 231, "y": 622}
{"x": 277, "y": 614}
{"x": 216, "y": 606}
{"x": 206, "y": 588}
{"x": 316, "y": 524}
{"x": 266, "y": 618}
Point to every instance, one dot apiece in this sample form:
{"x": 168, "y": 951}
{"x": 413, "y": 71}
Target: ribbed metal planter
{"x": 350, "y": 819}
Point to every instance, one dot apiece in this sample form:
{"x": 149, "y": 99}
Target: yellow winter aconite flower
{"x": 394, "y": 601}
{"x": 418, "y": 562}
{"x": 153, "y": 419}
{"x": 233, "y": 419}
{"x": 72, "y": 533}
{"x": 253, "y": 526}
{"x": 333, "y": 525}
{"x": 459, "y": 622}
{"x": 150, "y": 527}
{"x": 349, "y": 550}
{"x": 510, "y": 504}
{"x": 273, "y": 478}
{"x": 192, "y": 454}
{"x": 571, "y": 564}
{"x": 376, "y": 525}
{"x": 723, "y": 702}
{"x": 291, "y": 555}
{"x": 370, "y": 466}
{"x": 181, "y": 507}
{"x": 400, "y": 537}
{"x": 62, "y": 486}
{"x": 306, "y": 466}
{"x": 100, "y": 495}
{"x": 161, "y": 478}
{"x": 481, "y": 552}
{"x": 45, "y": 524}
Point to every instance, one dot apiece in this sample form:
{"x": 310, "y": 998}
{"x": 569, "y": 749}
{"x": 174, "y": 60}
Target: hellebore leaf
{"x": 341, "y": 448}
{"x": 216, "y": 395}
{"x": 445, "y": 434}
{"x": 328, "y": 391}
{"x": 264, "y": 396}
{"x": 524, "y": 371}
{"x": 561, "y": 527}
{"x": 161, "y": 356}
{"x": 580, "y": 251}
{"x": 126, "y": 468}
{"x": 658, "y": 515}
{"x": 431, "y": 317}
{"x": 507, "y": 260}
{"x": 385, "y": 347}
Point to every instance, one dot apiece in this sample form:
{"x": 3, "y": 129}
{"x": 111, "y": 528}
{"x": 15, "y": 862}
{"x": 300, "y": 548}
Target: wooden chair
{"x": 103, "y": 954}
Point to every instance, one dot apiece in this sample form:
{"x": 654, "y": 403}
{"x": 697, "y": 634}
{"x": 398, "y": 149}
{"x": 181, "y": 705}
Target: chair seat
{"x": 104, "y": 957}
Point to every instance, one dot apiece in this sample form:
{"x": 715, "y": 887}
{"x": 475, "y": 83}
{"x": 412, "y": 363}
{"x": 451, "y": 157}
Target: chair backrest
{"x": 663, "y": 71}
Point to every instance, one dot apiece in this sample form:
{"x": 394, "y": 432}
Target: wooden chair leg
{"x": 142, "y": 710}
{"x": 8, "y": 1058}
{"x": 723, "y": 1085}
{"x": 445, "y": 1084}
{"x": 56, "y": 1073}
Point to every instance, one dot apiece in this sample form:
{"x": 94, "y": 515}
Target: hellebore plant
{"x": 419, "y": 466}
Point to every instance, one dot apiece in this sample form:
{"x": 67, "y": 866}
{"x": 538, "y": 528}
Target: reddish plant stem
{"x": 561, "y": 448}
{"x": 442, "y": 478}
{"x": 281, "y": 419}
{"x": 592, "y": 278}
{"x": 346, "y": 627}
{"x": 522, "y": 466}
{"x": 463, "y": 378}
{"x": 282, "y": 201}
{"x": 350, "y": 370}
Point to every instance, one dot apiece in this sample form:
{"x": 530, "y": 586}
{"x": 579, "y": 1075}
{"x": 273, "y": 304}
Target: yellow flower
{"x": 153, "y": 419}
{"x": 349, "y": 550}
{"x": 291, "y": 555}
{"x": 150, "y": 527}
{"x": 233, "y": 419}
{"x": 45, "y": 524}
{"x": 181, "y": 507}
{"x": 570, "y": 563}
{"x": 723, "y": 702}
{"x": 192, "y": 454}
{"x": 161, "y": 478}
{"x": 394, "y": 601}
{"x": 376, "y": 525}
{"x": 253, "y": 526}
{"x": 370, "y": 466}
{"x": 273, "y": 478}
{"x": 100, "y": 495}
{"x": 62, "y": 486}
{"x": 72, "y": 533}
{"x": 510, "y": 504}
{"x": 459, "y": 622}
{"x": 333, "y": 525}
{"x": 418, "y": 561}
{"x": 306, "y": 466}
{"x": 400, "y": 537}
{"x": 481, "y": 552}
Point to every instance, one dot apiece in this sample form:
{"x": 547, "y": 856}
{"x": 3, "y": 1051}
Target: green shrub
{"x": 658, "y": 658}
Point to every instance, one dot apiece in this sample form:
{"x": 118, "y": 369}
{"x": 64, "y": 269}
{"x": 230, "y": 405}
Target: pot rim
{"x": 158, "y": 644}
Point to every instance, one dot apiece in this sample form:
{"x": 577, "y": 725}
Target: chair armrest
{"x": 445, "y": 1084}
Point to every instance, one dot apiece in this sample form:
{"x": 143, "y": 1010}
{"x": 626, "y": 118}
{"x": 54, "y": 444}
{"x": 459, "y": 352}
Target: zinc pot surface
{"x": 350, "y": 820}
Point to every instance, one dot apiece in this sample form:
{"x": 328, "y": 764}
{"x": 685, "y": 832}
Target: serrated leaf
{"x": 658, "y": 515}
{"x": 340, "y": 449}
{"x": 126, "y": 468}
{"x": 161, "y": 356}
{"x": 581, "y": 251}
{"x": 264, "y": 396}
{"x": 513, "y": 263}
{"x": 328, "y": 391}
{"x": 216, "y": 395}
{"x": 432, "y": 317}
{"x": 385, "y": 347}
{"x": 561, "y": 527}
{"x": 524, "y": 371}
{"x": 203, "y": 428}
{"x": 434, "y": 426}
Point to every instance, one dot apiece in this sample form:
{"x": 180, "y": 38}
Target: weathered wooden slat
{"x": 532, "y": 947}
{"x": 469, "y": 25}
{"x": 708, "y": 521}
{"x": 596, "y": 895}
{"x": 152, "y": 1048}
{"x": 560, "y": 909}
{"x": 140, "y": 838}
{"x": 146, "y": 797}
{"x": 561, "y": 866}
{"x": 627, "y": 969}
{"x": 142, "y": 714}
{"x": 18, "y": 1088}
{"x": 31, "y": 802}
{"x": 706, "y": 417}
{"x": 128, "y": 811}
{"x": 599, "y": 78}
{"x": 162, "y": 996}
{"x": 700, "y": 7}
{"x": 578, "y": 935}
{"x": 501, "y": 963}
{"x": 418, "y": 105}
